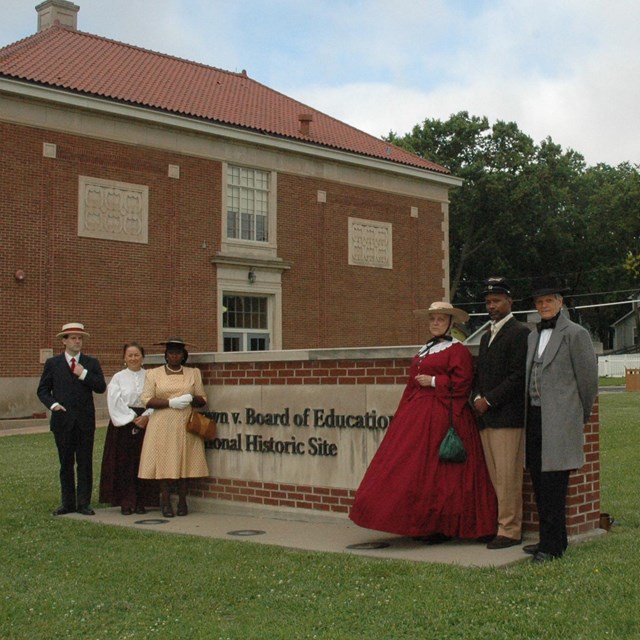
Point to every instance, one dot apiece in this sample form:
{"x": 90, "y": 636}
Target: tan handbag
{"x": 202, "y": 426}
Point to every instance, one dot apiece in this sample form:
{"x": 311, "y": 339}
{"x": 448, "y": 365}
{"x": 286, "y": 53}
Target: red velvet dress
{"x": 407, "y": 489}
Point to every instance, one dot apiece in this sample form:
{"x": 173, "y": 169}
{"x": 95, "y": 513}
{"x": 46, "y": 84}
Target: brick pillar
{"x": 583, "y": 500}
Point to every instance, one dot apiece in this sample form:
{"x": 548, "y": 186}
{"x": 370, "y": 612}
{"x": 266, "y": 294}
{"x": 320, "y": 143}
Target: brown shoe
{"x": 502, "y": 542}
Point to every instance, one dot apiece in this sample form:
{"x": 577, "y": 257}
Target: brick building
{"x": 145, "y": 195}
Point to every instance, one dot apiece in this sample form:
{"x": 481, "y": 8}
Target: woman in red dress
{"x": 407, "y": 489}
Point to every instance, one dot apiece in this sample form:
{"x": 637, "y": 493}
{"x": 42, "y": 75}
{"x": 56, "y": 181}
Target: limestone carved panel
{"x": 370, "y": 243}
{"x": 113, "y": 210}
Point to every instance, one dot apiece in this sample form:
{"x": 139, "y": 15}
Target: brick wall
{"x": 583, "y": 505}
{"x": 393, "y": 371}
{"x": 119, "y": 290}
{"x": 583, "y": 499}
{"x": 146, "y": 292}
{"x": 332, "y": 304}
{"x": 275, "y": 494}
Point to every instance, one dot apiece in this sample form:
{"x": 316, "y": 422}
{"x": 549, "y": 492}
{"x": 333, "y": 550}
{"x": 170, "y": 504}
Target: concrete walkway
{"x": 306, "y": 531}
{"x": 295, "y": 529}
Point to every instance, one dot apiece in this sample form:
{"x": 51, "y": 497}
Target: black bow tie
{"x": 547, "y": 324}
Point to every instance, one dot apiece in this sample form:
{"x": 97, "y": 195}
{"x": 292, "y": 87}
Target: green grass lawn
{"x": 72, "y": 579}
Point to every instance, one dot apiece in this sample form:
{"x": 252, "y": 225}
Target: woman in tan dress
{"x": 169, "y": 452}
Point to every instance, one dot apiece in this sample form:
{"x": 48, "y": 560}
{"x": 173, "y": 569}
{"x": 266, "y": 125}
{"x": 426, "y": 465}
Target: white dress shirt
{"x": 545, "y": 336}
{"x": 496, "y": 326}
{"x": 123, "y": 392}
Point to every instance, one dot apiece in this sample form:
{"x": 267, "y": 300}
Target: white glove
{"x": 181, "y": 402}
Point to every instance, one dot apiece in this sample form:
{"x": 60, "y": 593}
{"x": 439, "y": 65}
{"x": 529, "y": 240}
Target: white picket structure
{"x": 616, "y": 366}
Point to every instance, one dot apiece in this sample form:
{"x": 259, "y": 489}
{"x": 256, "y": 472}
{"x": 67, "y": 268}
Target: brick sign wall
{"x": 325, "y": 412}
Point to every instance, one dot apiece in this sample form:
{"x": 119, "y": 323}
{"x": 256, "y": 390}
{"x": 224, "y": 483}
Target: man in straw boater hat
{"x": 66, "y": 387}
{"x": 498, "y": 392}
{"x": 562, "y": 385}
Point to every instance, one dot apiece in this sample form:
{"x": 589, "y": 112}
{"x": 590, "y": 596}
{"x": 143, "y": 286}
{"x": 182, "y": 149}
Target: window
{"x": 247, "y": 204}
{"x": 245, "y": 323}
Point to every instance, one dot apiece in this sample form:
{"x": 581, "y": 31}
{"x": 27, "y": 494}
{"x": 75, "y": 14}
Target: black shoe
{"x": 167, "y": 511}
{"x": 531, "y": 549}
{"x": 485, "y": 539}
{"x": 183, "y": 510}
{"x": 542, "y": 557}
{"x": 61, "y": 511}
{"x": 126, "y": 511}
{"x": 434, "y": 538}
{"x": 86, "y": 510}
{"x": 502, "y": 542}
{"x": 140, "y": 509}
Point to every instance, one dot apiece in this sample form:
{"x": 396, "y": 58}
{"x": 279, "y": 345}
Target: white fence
{"x": 614, "y": 366}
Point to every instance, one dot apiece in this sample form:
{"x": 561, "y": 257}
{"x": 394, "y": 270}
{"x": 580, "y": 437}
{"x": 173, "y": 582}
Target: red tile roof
{"x": 79, "y": 62}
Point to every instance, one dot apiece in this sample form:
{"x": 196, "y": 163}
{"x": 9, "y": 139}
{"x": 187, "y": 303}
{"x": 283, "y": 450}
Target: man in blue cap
{"x": 499, "y": 389}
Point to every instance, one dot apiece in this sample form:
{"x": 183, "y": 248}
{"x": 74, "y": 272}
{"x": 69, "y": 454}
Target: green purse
{"x": 452, "y": 448}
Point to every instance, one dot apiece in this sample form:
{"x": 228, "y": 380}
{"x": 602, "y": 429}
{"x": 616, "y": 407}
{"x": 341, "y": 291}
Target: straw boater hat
{"x": 72, "y": 327}
{"x": 444, "y": 307}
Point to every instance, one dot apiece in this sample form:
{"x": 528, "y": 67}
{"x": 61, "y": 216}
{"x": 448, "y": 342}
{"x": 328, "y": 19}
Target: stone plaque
{"x": 370, "y": 243}
{"x": 113, "y": 210}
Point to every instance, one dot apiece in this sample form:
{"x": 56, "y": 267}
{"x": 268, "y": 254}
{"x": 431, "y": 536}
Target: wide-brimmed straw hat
{"x": 72, "y": 327}
{"x": 446, "y": 308}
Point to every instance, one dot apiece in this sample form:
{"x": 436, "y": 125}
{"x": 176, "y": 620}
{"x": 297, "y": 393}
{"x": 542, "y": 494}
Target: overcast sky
{"x": 569, "y": 69}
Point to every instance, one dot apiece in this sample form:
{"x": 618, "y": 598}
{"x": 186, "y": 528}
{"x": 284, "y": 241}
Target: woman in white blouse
{"x": 119, "y": 483}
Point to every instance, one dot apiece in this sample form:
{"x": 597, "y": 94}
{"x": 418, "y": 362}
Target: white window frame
{"x": 243, "y": 246}
{"x": 232, "y": 281}
{"x": 245, "y": 334}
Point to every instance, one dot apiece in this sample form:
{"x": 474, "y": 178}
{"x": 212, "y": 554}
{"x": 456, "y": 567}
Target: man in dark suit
{"x": 562, "y": 385}
{"x": 66, "y": 388}
{"x": 499, "y": 389}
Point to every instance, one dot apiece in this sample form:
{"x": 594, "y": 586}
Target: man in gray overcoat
{"x": 562, "y": 385}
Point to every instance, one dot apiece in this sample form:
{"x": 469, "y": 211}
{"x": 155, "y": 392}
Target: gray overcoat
{"x": 568, "y": 389}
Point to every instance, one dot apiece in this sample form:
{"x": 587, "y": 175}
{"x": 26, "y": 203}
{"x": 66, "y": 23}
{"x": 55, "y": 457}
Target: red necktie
{"x": 73, "y": 364}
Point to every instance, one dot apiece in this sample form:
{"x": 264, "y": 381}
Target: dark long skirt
{"x": 119, "y": 482}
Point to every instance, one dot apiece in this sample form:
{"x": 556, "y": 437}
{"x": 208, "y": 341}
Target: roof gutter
{"x": 110, "y": 107}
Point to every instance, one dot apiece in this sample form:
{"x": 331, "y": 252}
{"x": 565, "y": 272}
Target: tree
{"x": 526, "y": 210}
